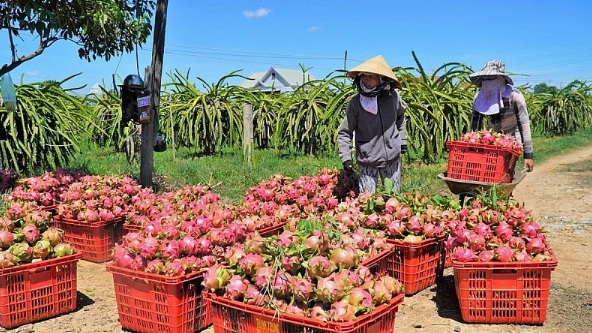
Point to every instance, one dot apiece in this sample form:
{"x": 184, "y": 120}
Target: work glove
{"x": 403, "y": 149}
{"x": 348, "y": 166}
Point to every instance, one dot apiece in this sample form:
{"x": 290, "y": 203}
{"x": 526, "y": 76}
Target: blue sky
{"x": 540, "y": 41}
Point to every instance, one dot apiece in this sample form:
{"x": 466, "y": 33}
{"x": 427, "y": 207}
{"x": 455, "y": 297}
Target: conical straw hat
{"x": 376, "y": 65}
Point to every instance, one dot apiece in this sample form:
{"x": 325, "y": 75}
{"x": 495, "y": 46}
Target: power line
{"x": 198, "y": 55}
{"x": 553, "y": 55}
{"x": 261, "y": 54}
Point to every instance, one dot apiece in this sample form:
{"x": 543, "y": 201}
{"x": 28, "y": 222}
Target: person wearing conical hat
{"x": 376, "y": 118}
{"x": 502, "y": 105}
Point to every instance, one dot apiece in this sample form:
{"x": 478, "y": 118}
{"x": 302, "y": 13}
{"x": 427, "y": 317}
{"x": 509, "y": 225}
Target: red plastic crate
{"x": 445, "y": 261}
{"x": 378, "y": 264}
{"x": 151, "y": 303}
{"x": 272, "y": 230}
{"x": 230, "y": 316}
{"x": 503, "y": 293}
{"x": 416, "y": 265}
{"x": 37, "y": 291}
{"x": 448, "y": 259}
{"x": 480, "y": 162}
{"x": 94, "y": 239}
{"x": 127, "y": 228}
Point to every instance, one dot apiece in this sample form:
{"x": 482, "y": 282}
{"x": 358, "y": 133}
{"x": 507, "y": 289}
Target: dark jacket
{"x": 378, "y": 137}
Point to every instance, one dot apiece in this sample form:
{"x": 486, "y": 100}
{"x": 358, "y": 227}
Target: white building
{"x": 276, "y": 79}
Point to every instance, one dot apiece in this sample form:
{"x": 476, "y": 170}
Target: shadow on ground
{"x": 445, "y": 298}
{"x": 82, "y": 300}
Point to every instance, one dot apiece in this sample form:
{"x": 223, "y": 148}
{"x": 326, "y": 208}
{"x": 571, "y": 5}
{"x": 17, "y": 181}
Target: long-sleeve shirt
{"x": 512, "y": 119}
{"x": 378, "y": 136}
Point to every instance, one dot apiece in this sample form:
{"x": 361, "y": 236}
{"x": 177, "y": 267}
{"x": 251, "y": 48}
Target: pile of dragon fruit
{"x": 488, "y": 137}
{"x": 410, "y": 217}
{"x": 191, "y": 229}
{"x": 26, "y": 236}
{"x": 97, "y": 198}
{"x": 505, "y": 232}
{"x": 315, "y": 271}
{"x": 44, "y": 190}
{"x": 179, "y": 241}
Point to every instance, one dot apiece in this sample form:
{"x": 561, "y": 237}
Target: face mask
{"x": 489, "y": 100}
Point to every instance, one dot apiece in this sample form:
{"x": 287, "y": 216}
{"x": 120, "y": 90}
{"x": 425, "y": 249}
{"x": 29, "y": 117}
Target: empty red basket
{"x": 230, "y": 316}
{"x": 94, "y": 239}
{"x": 152, "y": 303}
{"x": 37, "y": 291}
{"x": 503, "y": 293}
{"x": 480, "y": 162}
{"x": 415, "y": 264}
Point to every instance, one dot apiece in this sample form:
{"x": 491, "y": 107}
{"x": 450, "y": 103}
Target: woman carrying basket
{"x": 503, "y": 105}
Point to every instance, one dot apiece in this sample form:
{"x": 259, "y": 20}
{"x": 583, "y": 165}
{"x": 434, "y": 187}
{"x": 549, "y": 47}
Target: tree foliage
{"x": 543, "y": 88}
{"x": 102, "y": 28}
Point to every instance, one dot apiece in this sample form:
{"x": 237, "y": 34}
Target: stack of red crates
{"x": 481, "y": 162}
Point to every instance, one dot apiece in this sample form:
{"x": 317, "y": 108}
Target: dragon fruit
{"x": 155, "y": 266}
{"x": 250, "y": 263}
{"x": 174, "y": 268}
{"x": 302, "y": 289}
{"x": 149, "y": 247}
{"x": 342, "y": 311}
{"x": 319, "y": 267}
{"x": 6, "y": 259}
{"x": 22, "y": 252}
{"x": 42, "y": 249}
{"x": 236, "y": 287}
{"x": 320, "y": 312}
{"x": 263, "y": 277}
{"x": 31, "y": 233}
{"x": 6, "y": 238}
{"x": 253, "y": 296}
{"x": 329, "y": 290}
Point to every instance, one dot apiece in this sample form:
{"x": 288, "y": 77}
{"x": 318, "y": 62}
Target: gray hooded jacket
{"x": 378, "y": 136}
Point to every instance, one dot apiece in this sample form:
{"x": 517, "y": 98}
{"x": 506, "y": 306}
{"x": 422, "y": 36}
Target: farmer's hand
{"x": 348, "y": 166}
{"x": 529, "y": 163}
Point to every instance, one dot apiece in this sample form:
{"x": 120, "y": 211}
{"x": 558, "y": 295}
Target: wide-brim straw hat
{"x": 491, "y": 70}
{"x": 376, "y": 65}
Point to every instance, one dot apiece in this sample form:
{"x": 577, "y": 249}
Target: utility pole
{"x": 150, "y": 129}
{"x": 345, "y": 64}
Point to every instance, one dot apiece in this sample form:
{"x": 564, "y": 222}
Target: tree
{"x": 102, "y": 28}
{"x": 543, "y": 88}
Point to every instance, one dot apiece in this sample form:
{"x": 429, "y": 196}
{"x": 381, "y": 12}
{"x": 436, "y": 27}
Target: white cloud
{"x": 32, "y": 73}
{"x": 260, "y": 12}
{"x": 314, "y": 28}
{"x": 95, "y": 89}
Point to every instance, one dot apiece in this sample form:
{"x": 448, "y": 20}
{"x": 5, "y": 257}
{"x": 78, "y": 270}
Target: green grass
{"x": 230, "y": 175}
{"x": 548, "y": 147}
